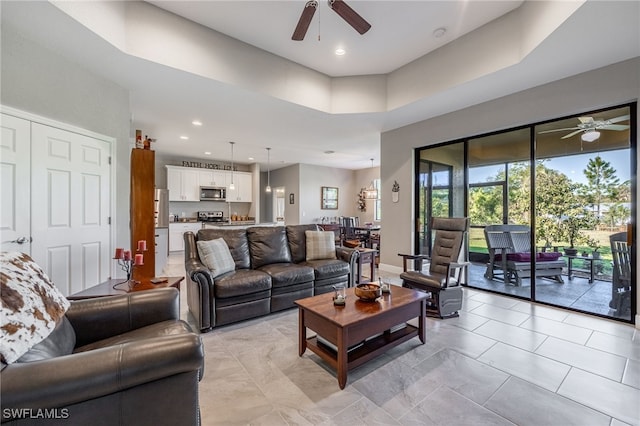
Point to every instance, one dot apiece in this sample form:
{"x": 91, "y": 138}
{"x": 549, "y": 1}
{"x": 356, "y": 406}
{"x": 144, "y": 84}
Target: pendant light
{"x": 268, "y": 188}
{"x": 231, "y": 185}
{"x": 370, "y": 193}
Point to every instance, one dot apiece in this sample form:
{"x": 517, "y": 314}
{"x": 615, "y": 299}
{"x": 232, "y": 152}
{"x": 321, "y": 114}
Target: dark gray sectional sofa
{"x": 271, "y": 272}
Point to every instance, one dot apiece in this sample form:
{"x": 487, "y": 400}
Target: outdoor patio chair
{"x": 621, "y": 279}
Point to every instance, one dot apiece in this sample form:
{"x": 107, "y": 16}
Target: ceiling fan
{"x": 340, "y": 7}
{"x": 590, "y": 127}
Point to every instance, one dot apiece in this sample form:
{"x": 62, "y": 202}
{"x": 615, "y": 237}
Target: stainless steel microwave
{"x": 213, "y": 193}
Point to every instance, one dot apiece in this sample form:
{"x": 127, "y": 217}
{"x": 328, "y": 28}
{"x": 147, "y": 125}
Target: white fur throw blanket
{"x": 31, "y": 305}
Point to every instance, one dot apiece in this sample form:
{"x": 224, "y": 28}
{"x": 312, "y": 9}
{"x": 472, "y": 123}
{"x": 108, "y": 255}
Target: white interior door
{"x": 15, "y": 184}
{"x": 70, "y": 207}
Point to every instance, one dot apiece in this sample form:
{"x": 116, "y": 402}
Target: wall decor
{"x": 329, "y": 199}
{"x": 292, "y": 198}
{"x": 395, "y": 192}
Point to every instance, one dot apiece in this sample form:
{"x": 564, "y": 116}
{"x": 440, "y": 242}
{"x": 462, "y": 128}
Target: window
{"x": 377, "y": 209}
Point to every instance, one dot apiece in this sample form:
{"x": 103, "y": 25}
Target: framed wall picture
{"x": 329, "y": 198}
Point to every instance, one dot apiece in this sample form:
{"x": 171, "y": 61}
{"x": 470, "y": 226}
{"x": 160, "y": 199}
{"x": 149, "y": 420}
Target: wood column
{"x": 141, "y": 208}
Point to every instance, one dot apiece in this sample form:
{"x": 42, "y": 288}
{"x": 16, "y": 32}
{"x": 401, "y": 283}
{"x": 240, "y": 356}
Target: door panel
{"x": 71, "y": 175}
{"x": 15, "y": 186}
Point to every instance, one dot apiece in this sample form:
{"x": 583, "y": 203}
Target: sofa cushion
{"x": 288, "y": 274}
{"x": 320, "y": 245}
{"x": 241, "y": 282}
{"x": 31, "y": 306}
{"x": 216, "y": 256}
{"x": 60, "y": 342}
{"x": 547, "y": 256}
{"x": 297, "y": 241}
{"x": 236, "y": 240}
{"x": 328, "y": 268}
{"x": 268, "y": 244}
{"x": 526, "y": 256}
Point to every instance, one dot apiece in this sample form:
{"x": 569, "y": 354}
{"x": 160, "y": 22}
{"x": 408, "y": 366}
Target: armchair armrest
{"x": 349, "y": 255}
{"x": 417, "y": 260}
{"x": 122, "y": 313}
{"x": 74, "y": 378}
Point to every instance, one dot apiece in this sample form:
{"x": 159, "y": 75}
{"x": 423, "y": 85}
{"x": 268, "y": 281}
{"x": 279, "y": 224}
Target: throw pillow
{"x": 216, "y": 256}
{"x": 320, "y": 245}
{"x": 31, "y": 307}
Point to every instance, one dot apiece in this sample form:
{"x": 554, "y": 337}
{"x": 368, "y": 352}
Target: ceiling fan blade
{"x": 618, "y": 119}
{"x": 350, "y": 15}
{"x": 614, "y": 127}
{"x": 305, "y": 20}
{"x": 571, "y": 134}
{"x": 558, "y": 130}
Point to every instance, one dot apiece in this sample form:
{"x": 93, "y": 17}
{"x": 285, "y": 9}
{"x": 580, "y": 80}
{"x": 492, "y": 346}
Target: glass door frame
{"x": 633, "y": 148}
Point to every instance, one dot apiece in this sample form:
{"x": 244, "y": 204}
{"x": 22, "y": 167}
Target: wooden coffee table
{"x": 354, "y": 324}
{"x": 120, "y": 286}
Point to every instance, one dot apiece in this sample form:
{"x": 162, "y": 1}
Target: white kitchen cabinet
{"x": 243, "y": 191}
{"x": 182, "y": 183}
{"x": 215, "y": 178}
{"x": 176, "y": 234}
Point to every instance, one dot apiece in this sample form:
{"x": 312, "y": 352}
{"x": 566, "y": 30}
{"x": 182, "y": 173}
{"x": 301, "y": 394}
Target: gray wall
{"x": 38, "y": 81}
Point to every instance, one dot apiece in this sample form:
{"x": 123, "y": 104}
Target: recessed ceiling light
{"x": 196, "y": 123}
{"x": 340, "y": 51}
{"x": 329, "y": 152}
{"x": 207, "y": 153}
{"x": 439, "y": 32}
{"x": 251, "y": 158}
{"x": 184, "y": 138}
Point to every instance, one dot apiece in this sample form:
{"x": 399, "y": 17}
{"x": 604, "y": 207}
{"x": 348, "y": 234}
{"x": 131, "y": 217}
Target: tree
{"x": 603, "y": 184}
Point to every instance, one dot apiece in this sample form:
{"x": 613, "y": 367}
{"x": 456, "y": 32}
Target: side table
{"x": 586, "y": 259}
{"x": 367, "y": 256}
{"x": 117, "y": 286}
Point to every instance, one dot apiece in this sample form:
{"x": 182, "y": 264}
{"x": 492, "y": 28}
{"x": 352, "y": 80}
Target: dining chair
{"x": 443, "y": 278}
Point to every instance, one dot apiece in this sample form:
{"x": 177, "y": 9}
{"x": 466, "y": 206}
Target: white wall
{"x": 312, "y": 179}
{"x": 616, "y": 84}
{"x": 38, "y": 81}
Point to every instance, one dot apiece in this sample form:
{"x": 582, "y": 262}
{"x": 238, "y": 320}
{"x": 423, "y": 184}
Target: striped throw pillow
{"x": 216, "y": 256}
{"x": 320, "y": 245}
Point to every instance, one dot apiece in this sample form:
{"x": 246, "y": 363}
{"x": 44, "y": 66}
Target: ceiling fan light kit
{"x": 590, "y": 136}
{"x": 340, "y": 7}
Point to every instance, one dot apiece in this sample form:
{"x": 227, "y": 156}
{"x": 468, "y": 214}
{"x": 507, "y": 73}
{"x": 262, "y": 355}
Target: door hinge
{"x": 109, "y": 220}
{"x": 109, "y": 160}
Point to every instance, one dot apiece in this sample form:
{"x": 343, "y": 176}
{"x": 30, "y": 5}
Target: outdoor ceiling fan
{"x": 340, "y": 7}
{"x": 589, "y": 127}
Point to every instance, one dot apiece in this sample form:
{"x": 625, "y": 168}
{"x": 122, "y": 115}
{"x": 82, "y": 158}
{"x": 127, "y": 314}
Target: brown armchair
{"x": 443, "y": 277}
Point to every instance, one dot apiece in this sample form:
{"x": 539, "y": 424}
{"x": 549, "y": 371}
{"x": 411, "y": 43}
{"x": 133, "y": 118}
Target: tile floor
{"x": 503, "y": 361}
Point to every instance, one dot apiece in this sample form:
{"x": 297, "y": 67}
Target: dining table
{"x": 366, "y": 231}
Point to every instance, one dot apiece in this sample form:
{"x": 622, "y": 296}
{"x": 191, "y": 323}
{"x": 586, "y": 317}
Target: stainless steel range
{"x": 211, "y": 216}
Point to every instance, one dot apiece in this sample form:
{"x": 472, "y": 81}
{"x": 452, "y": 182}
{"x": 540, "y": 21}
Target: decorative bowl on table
{"x": 368, "y": 292}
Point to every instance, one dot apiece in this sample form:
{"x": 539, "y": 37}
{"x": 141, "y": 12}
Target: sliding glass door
{"x": 567, "y": 185}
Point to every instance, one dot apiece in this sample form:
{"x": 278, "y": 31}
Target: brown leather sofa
{"x": 134, "y": 362}
{"x": 271, "y": 272}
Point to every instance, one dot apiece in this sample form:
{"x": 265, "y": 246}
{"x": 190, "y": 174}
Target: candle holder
{"x": 127, "y": 262}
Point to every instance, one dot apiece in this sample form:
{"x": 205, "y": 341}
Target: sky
{"x": 572, "y": 166}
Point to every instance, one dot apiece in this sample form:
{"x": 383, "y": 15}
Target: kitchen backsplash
{"x": 191, "y": 210}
